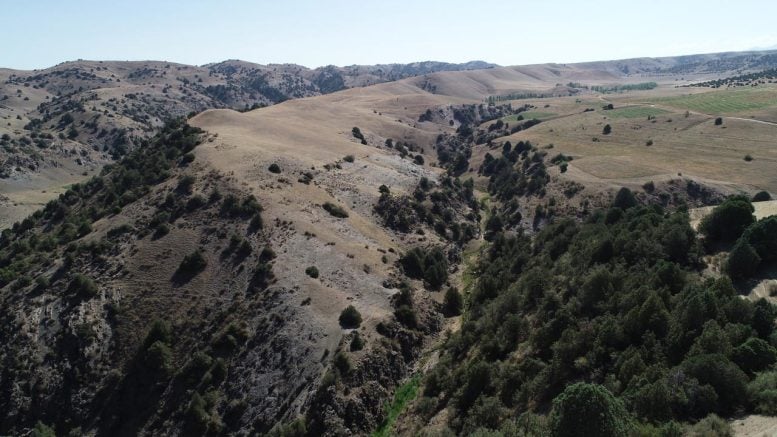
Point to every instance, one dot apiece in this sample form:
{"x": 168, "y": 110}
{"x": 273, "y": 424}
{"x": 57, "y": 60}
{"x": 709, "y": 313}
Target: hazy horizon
{"x": 346, "y": 32}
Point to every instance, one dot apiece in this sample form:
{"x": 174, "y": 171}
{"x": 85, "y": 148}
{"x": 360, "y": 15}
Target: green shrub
{"x": 754, "y": 355}
{"x": 42, "y": 282}
{"x": 762, "y": 392}
{"x": 83, "y": 286}
{"x": 350, "y": 317}
{"x": 342, "y": 363}
{"x": 193, "y": 263}
{"x": 161, "y": 230}
{"x": 295, "y": 428}
{"x": 256, "y": 222}
{"x": 334, "y": 210}
{"x": 159, "y": 359}
{"x": 348, "y": 158}
{"x": 263, "y": 274}
{"x": 357, "y": 343}
{"x": 159, "y": 331}
{"x": 406, "y": 316}
{"x": 187, "y": 158}
{"x": 607, "y": 129}
{"x": 232, "y": 207}
{"x": 274, "y": 168}
{"x": 357, "y": 133}
{"x": 710, "y": 426}
{"x": 42, "y": 430}
{"x": 267, "y": 254}
{"x": 312, "y": 271}
{"x": 195, "y": 202}
{"x": 494, "y": 226}
{"x": 718, "y": 121}
{"x": 186, "y": 183}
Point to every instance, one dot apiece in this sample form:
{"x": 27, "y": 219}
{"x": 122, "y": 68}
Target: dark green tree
{"x": 728, "y": 220}
{"x": 742, "y": 261}
{"x": 624, "y": 199}
{"x": 584, "y": 410}
{"x": 452, "y": 302}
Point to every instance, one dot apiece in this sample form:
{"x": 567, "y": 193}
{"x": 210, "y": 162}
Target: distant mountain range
{"x": 95, "y": 111}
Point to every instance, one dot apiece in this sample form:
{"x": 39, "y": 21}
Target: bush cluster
{"x": 431, "y": 265}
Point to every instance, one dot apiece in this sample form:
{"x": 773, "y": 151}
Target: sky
{"x": 42, "y": 33}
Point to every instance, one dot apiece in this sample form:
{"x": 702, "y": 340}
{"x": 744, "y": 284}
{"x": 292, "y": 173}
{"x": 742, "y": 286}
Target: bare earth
{"x": 755, "y": 426}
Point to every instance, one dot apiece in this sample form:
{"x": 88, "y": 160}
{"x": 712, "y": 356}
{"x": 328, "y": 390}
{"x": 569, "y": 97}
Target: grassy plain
{"x": 680, "y": 139}
{"x": 724, "y": 101}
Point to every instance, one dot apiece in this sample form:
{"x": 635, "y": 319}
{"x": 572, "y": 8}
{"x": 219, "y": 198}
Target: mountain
{"x": 325, "y": 264}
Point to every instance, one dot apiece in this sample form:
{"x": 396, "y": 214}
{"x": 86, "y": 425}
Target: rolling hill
{"x": 200, "y": 281}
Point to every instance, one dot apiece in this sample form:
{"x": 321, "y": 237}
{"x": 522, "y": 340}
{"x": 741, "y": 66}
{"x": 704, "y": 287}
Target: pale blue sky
{"x": 41, "y": 33}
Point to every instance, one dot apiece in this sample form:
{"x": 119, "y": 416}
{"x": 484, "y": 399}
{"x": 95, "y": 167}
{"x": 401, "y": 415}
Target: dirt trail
{"x": 754, "y": 120}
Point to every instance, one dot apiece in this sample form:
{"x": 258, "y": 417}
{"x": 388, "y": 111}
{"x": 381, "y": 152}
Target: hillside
{"x": 201, "y": 282}
{"x": 62, "y": 124}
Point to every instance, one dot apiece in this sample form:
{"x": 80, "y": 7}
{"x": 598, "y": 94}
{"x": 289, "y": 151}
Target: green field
{"x": 634, "y": 112}
{"x": 725, "y": 101}
{"x": 528, "y": 116}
